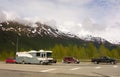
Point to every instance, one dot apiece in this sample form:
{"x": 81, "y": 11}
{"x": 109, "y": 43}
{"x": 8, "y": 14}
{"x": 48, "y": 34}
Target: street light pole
{"x": 17, "y": 44}
{"x": 16, "y": 47}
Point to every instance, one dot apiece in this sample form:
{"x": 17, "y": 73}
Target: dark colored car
{"x": 54, "y": 61}
{"x": 10, "y": 60}
{"x": 70, "y": 60}
{"x": 103, "y": 59}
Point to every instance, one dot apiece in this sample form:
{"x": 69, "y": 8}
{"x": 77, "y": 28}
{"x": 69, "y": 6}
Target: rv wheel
{"x": 23, "y": 62}
{"x": 41, "y": 62}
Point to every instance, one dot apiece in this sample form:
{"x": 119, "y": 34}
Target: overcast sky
{"x": 82, "y": 17}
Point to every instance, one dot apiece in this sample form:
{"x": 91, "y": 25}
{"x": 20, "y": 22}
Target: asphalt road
{"x": 84, "y": 69}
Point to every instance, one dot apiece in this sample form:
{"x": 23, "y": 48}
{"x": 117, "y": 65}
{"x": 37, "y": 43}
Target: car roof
{"x": 68, "y": 57}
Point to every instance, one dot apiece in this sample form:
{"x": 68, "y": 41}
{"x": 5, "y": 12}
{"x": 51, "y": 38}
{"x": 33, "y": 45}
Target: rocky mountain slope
{"x": 40, "y": 37}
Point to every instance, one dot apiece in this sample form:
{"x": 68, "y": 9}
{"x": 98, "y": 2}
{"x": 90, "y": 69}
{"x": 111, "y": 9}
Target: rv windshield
{"x": 49, "y": 54}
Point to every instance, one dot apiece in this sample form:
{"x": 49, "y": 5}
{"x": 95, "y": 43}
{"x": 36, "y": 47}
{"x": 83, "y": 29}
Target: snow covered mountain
{"x": 40, "y": 29}
{"x": 42, "y": 36}
{"x": 91, "y": 38}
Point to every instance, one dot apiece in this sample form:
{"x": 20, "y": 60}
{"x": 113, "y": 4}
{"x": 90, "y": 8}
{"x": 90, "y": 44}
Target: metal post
{"x": 17, "y": 44}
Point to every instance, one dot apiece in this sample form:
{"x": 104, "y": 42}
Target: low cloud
{"x": 95, "y": 17}
{"x": 2, "y": 17}
{"x": 12, "y": 16}
{"x": 92, "y": 26}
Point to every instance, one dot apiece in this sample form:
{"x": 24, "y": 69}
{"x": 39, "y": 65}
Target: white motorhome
{"x": 34, "y": 57}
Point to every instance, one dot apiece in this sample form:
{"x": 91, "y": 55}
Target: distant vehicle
{"x": 103, "y": 59}
{"x": 34, "y": 57}
{"x": 54, "y": 61}
{"x": 10, "y": 60}
{"x": 70, "y": 60}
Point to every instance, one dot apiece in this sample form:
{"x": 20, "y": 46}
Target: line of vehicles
{"x": 45, "y": 57}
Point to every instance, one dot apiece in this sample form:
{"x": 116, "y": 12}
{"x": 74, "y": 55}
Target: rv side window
{"x": 43, "y": 55}
{"x": 49, "y": 55}
{"x": 37, "y": 54}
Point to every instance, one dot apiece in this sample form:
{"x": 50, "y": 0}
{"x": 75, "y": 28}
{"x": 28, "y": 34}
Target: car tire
{"x": 113, "y": 62}
{"x": 78, "y": 62}
{"x": 96, "y": 62}
{"x": 68, "y": 62}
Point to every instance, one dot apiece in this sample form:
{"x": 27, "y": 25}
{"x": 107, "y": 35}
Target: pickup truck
{"x": 103, "y": 59}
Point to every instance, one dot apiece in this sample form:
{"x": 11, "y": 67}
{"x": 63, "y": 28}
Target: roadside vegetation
{"x": 84, "y": 53}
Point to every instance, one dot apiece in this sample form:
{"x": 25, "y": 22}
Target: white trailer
{"x": 34, "y": 57}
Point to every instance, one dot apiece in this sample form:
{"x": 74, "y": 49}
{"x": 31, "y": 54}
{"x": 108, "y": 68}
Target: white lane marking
{"x": 98, "y": 67}
{"x": 115, "y": 66}
{"x": 75, "y": 68}
{"x": 47, "y": 70}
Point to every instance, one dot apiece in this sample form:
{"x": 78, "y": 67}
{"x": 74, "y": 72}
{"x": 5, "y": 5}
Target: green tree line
{"x": 84, "y": 52}
{"x": 81, "y": 52}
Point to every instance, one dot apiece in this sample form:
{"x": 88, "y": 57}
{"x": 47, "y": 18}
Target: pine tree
{"x": 114, "y": 53}
{"x": 103, "y": 51}
{"x": 91, "y": 50}
{"x": 82, "y": 53}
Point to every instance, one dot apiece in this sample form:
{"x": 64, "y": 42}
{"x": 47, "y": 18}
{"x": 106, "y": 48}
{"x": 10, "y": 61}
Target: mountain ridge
{"x": 30, "y": 37}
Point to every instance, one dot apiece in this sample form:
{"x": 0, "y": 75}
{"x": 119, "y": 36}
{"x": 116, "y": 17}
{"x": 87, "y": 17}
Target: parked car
{"x": 10, "y": 60}
{"x": 103, "y": 59}
{"x": 54, "y": 61}
{"x": 70, "y": 60}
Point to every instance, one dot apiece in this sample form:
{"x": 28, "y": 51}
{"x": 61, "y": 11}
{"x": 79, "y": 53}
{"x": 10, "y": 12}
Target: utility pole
{"x": 17, "y": 44}
{"x": 16, "y": 47}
